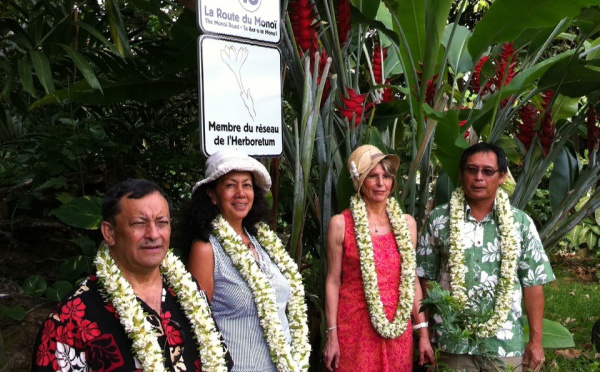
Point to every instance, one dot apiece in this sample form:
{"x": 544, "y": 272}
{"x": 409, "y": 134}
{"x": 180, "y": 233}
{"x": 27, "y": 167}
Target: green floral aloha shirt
{"x": 483, "y": 261}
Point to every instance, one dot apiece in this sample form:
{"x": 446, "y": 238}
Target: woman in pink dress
{"x": 371, "y": 291}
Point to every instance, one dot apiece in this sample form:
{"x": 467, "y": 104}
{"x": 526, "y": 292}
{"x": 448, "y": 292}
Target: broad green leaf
{"x": 94, "y": 32}
{"x": 443, "y": 188}
{"x": 84, "y": 212}
{"x": 555, "y": 335}
{"x": 411, "y": 16}
{"x": 458, "y": 55}
{"x": 53, "y": 183}
{"x": 564, "y": 107}
{"x": 507, "y": 19}
{"x": 58, "y": 290}
{"x": 595, "y": 54}
{"x": 14, "y": 312}
{"x": 14, "y": 32}
{"x": 35, "y": 285}
{"x": 83, "y": 66}
{"x": 588, "y": 21}
{"x": 140, "y": 90}
{"x": 41, "y": 65}
{"x": 449, "y": 141}
{"x": 64, "y": 197}
{"x": 564, "y": 173}
{"x": 591, "y": 239}
{"x": 26, "y": 75}
{"x": 73, "y": 268}
{"x": 367, "y": 7}
{"x": 573, "y": 78}
{"x": 87, "y": 245}
{"x": 117, "y": 28}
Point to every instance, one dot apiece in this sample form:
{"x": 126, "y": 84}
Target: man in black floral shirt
{"x": 86, "y": 331}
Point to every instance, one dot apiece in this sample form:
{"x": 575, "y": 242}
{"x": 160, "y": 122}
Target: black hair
{"x": 132, "y": 189}
{"x": 485, "y": 147}
{"x": 197, "y": 216}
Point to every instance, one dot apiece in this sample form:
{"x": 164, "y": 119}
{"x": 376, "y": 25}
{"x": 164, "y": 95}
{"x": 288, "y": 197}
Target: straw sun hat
{"x": 363, "y": 160}
{"x": 224, "y": 161}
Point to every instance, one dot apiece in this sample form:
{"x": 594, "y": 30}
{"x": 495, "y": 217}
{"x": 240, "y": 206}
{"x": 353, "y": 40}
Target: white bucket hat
{"x": 224, "y": 161}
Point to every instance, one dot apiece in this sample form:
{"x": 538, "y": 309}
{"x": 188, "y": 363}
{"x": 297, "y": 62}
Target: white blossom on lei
{"x": 286, "y": 357}
{"x": 369, "y": 275}
{"x": 133, "y": 319}
{"x": 508, "y": 261}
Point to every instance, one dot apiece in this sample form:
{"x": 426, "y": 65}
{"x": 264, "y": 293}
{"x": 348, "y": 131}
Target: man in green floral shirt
{"x": 490, "y": 256}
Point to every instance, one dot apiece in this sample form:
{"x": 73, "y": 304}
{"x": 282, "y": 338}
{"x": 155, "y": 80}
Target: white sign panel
{"x": 240, "y": 97}
{"x": 249, "y": 19}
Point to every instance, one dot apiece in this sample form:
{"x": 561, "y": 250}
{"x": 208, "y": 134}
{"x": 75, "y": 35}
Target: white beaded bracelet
{"x": 421, "y": 325}
{"x": 330, "y": 329}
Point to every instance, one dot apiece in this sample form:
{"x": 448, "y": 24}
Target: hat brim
{"x": 261, "y": 177}
{"x": 395, "y": 160}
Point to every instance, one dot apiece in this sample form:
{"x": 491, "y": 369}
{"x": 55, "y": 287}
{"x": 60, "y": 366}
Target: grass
{"x": 575, "y": 304}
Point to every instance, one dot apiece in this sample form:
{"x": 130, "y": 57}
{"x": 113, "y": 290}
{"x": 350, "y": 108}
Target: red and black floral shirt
{"x": 83, "y": 333}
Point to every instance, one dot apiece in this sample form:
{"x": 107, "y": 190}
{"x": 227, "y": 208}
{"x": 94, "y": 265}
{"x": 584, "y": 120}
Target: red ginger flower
{"x": 343, "y": 21}
{"x": 356, "y": 107}
{"x": 505, "y": 71}
{"x": 302, "y": 17}
{"x": 379, "y": 55}
{"x": 327, "y": 88}
{"x": 529, "y": 115}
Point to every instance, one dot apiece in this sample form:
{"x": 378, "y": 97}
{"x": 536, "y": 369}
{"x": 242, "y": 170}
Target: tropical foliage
{"x": 95, "y": 92}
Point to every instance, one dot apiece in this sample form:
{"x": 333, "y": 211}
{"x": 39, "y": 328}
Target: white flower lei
{"x": 131, "y": 315}
{"x": 264, "y": 296}
{"x": 369, "y": 275}
{"x": 508, "y": 266}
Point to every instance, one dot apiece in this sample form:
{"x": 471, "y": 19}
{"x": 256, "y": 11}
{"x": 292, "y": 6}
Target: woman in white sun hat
{"x": 255, "y": 289}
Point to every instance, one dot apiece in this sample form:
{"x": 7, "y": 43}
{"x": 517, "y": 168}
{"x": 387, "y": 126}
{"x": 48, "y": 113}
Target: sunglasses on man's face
{"x": 486, "y": 172}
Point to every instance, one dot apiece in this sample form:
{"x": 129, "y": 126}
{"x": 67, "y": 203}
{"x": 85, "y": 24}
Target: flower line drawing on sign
{"x": 235, "y": 59}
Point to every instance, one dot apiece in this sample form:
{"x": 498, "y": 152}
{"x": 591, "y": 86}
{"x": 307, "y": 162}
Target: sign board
{"x": 248, "y": 19}
{"x": 240, "y": 96}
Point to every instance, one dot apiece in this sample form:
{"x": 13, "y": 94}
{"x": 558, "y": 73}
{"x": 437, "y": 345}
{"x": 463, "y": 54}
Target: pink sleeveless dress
{"x": 361, "y": 347}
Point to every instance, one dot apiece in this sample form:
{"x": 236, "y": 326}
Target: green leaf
{"x": 14, "y": 312}
{"x": 590, "y": 239}
{"x": 73, "y": 268}
{"x": 139, "y": 90}
{"x": 564, "y": 173}
{"x": 571, "y": 77}
{"x": 58, "y": 290}
{"x": 87, "y": 245}
{"x": 449, "y": 141}
{"x": 84, "y": 212}
{"x": 83, "y": 66}
{"x": 98, "y": 35}
{"x": 41, "y": 65}
{"x": 367, "y": 7}
{"x": 507, "y": 19}
{"x": 555, "y": 335}
{"x": 564, "y": 107}
{"x": 35, "y": 285}
{"x": 26, "y": 76}
{"x": 458, "y": 55}
{"x": 117, "y": 28}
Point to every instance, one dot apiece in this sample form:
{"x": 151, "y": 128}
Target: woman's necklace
{"x": 508, "y": 257}
{"x": 286, "y": 357}
{"x": 406, "y": 289}
{"x": 133, "y": 319}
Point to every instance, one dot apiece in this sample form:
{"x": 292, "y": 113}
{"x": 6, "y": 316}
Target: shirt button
{"x": 478, "y": 243}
